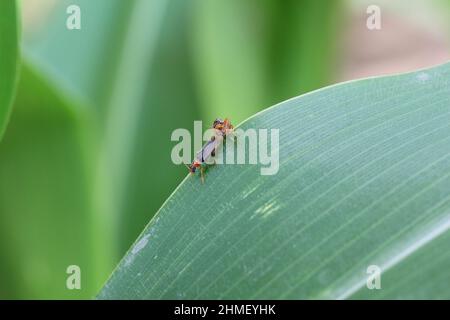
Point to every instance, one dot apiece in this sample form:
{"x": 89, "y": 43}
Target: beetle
{"x": 222, "y": 128}
{"x": 207, "y": 151}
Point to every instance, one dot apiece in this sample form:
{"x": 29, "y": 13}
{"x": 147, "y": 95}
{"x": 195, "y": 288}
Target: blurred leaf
{"x": 81, "y": 66}
{"x": 82, "y": 62}
{"x": 9, "y": 53}
{"x": 45, "y": 220}
{"x": 144, "y": 75}
{"x": 302, "y": 48}
{"x": 364, "y": 179}
{"x": 167, "y": 101}
{"x": 152, "y": 83}
{"x": 250, "y": 54}
{"x": 230, "y": 54}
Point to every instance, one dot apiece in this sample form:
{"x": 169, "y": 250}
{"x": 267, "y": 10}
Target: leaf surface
{"x": 364, "y": 180}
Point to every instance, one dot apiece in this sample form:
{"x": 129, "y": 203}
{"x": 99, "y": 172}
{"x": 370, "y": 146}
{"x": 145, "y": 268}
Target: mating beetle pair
{"x": 222, "y": 129}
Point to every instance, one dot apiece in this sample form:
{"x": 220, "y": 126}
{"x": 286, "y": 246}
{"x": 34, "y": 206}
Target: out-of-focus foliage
{"x": 86, "y": 161}
{"x": 9, "y": 57}
{"x": 251, "y": 54}
{"x": 44, "y": 204}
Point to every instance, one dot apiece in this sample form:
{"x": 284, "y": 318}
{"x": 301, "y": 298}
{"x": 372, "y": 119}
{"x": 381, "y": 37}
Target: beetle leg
{"x": 202, "y": 175}
{"x": 189, "y": 168}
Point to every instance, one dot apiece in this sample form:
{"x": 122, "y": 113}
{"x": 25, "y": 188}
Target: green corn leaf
{"x": 9, "y": 59}
{"x": 364, "y": 180}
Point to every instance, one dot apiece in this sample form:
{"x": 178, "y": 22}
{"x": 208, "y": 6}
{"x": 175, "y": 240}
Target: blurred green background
{"x": 85, "y": 161}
